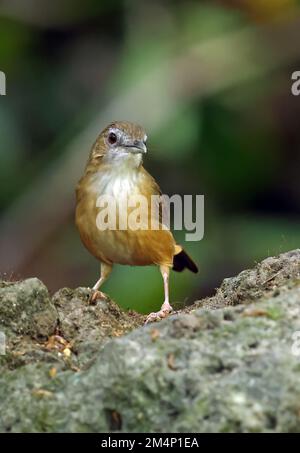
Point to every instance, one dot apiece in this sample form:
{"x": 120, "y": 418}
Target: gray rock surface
{"x": 26, "y": 309}
{"x": 228, "y": 363}
{"x": 252, "y": 284}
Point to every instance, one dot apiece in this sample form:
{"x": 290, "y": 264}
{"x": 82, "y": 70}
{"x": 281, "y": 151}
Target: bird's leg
{"x": 166, "y": 307}
{"x": 105, "y": 270}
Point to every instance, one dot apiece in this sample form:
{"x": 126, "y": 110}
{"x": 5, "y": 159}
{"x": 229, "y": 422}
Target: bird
{"x": 115, "y": 170}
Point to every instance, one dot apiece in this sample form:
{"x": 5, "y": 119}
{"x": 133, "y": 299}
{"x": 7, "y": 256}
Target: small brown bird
{"x": 115, "y": 169}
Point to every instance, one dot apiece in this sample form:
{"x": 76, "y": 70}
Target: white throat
{"x": 120, "y": 178}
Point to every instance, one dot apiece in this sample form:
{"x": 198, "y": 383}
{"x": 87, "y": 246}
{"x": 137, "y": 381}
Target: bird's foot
{"x": 95, "y": 295}
{"x": 162, "y": 313}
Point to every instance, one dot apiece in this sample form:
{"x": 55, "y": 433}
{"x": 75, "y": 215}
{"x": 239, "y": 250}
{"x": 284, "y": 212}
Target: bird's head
{"x": 120, "y": 142}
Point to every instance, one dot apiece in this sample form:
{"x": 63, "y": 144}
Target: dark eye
{"x": 112, "y": 138}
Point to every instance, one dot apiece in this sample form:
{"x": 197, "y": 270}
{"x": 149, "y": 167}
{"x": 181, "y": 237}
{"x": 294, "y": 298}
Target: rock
{"x": 89, "y": 326}
{"x": 230, "y": 369}
{"x": 77, "y": 324}
{"x": 27, "y": 317}
{"x": 252, "y": 284}
{"x": 40, "y": 329}
{"x": 26, "y": 309}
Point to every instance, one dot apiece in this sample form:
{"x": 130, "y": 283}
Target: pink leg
{"x": 96, "y": 294}
{"x": 166, "y": 307}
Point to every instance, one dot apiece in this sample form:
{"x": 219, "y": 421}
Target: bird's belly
{"x": 140, "y": 248}
{"x": 124, "y": 246}
{"x": 133, "y": 247}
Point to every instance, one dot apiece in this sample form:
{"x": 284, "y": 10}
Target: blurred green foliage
{"x": 236, "y": 144}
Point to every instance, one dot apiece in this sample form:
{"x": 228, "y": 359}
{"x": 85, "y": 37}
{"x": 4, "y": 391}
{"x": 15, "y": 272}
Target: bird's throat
{"x": 117, "y": 180}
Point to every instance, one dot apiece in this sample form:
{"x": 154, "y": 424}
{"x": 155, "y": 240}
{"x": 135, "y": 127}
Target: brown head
{"x": 120, "y": 141}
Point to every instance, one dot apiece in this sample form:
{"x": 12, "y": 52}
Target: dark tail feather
{"x": 182, "y": 261}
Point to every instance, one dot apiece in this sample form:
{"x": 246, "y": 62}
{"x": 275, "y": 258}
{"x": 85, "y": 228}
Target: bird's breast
{"x": 141, "y": 247}
{"x": 116, "y": 183}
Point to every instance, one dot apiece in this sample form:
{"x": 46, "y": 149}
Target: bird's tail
{"x": 181, "y": 260}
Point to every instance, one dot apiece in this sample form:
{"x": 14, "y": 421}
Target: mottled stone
{"x": 226, "y": 369}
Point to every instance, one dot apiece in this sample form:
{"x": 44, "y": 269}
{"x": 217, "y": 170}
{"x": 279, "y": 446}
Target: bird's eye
{"x": 112, "y": 138}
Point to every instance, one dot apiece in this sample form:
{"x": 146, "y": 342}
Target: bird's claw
{"x": 95, "y": 295}
{"x": 161, "y": 314}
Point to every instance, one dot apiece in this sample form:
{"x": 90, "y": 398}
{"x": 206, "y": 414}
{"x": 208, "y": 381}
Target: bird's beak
{"x": 136, "y": 147}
